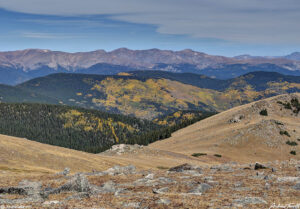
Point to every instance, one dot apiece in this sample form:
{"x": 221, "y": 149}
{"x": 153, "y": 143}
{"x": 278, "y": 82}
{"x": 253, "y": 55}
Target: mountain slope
{"x": 245, "y": 133}
{"x": 146, "y": 94}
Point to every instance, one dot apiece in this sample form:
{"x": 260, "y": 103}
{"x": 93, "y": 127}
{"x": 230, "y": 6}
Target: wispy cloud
{"x": 247, "y": 21}
{"x": 82, "y": 22}
{"x": 47, "y": 35}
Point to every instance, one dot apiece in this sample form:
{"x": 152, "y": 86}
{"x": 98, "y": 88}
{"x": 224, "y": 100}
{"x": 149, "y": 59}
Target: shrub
{"x": 287, "y": 106}
{"x": 198, "y": 154}
{"x": 285, "y": 133}
{"x": 217, "y": 155}
{"x": 278, "y": 123}
{"x": 298, "y": 140}
{"x": 295, "y": 103}
{"x": 291, "y": 143}
{"x": 293, "y": 152}
{"x": 264, "y": 112}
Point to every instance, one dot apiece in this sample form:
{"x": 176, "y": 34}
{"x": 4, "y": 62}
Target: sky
{"x": 220, "y": 27}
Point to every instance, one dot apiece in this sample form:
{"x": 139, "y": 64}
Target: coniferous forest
{"x": 81, "y": 129}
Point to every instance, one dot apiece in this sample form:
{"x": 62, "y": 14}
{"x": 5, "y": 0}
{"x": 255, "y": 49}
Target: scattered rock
{"x": 150, "y": 176}
{"x": 65, "y": 172}
{"x": 132, "y": 205}
{"x": 77, "y": 183}
{"x": 32, "y": 191}
{"x": 108, "y": 187}
{"x": 237, "y": 119}
{"x": 78, "y": 196}
{"x": 53, "y": 202}
{"x": 250, "y": 201}
{"x": 288, "y": 179}
{"x": 163, "y": 201}
{"x": 161, "y": 190}
{"x": 181, "y": 168}
{"x": 120, "y": 149}
{"x": 121, "y": 170}
{"x": 223, "y": 167}
{"x": 239, "y": 184}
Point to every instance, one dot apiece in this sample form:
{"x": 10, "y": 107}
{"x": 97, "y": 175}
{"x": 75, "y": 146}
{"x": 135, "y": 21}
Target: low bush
{"x": 284, "y": 133}
{"x": 278, "y": 123}
{"x": 217, "y": 155}
{"x": 293, "y": 152}
{"x": 198, "y": 154}
{"x": 291, "y": 143}
{"x": 264, "y": 112}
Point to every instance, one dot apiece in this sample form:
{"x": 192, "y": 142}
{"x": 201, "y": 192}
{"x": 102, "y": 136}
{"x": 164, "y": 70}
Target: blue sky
{"x": 223, "y": 27}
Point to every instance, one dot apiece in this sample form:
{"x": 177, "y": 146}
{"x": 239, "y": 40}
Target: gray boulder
{"x": 78, "y": 183}
{"x": 184, "y": 167}
{"x": 31, "y": 190}
{"x": 117, "y": 170}
{"x": 161, "y": 190}
{"x": 201, "y": 188}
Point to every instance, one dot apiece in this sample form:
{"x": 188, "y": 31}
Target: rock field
{"x": 231, "y": 185}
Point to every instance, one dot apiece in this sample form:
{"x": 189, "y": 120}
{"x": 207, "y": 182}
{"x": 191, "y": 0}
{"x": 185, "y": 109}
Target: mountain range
{"x": 19, "y": 66}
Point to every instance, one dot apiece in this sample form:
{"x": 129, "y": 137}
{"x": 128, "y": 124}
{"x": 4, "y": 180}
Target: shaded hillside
{"x": 260, "y": 131}
{"x": 74, "y": 128}
{"x": 149, "y": 95}
{"x": 13, "y": 94}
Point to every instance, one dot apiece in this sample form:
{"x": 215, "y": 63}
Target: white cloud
{"x": 247, "y": 21}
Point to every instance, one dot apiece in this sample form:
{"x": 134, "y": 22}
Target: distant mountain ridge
{"x": 293, "y": 56}
{"x": 19, "y": 66}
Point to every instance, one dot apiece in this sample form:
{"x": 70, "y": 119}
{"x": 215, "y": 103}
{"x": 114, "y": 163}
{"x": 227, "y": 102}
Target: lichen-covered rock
{"x": 201, "y": 188}
{"x": 184, "y": 167}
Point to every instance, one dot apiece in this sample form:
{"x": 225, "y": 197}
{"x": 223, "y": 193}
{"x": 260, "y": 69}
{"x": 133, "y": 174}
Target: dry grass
{"x": 19, "y": 155}
{"x": 252, "y": 139}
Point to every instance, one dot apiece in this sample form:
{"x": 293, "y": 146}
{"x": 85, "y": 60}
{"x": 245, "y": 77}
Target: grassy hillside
{"x": 22, "y": 156}
{"x": 74, "y": 128}
{"x": 260, "y": 131}
{"x": 152, "y": 94}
